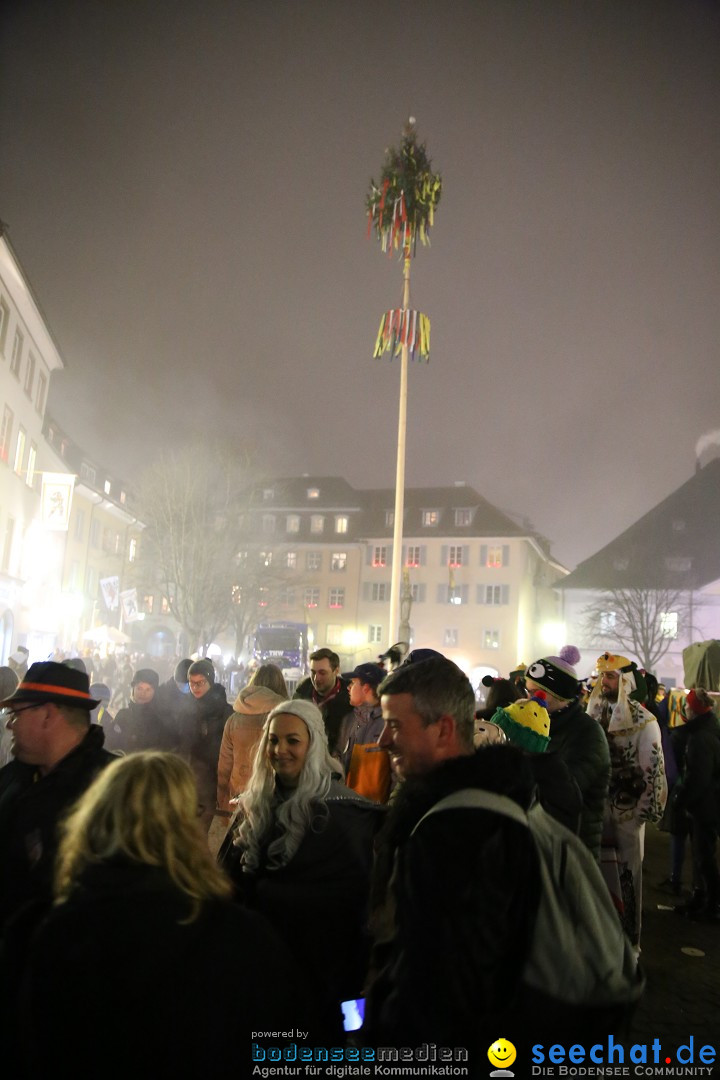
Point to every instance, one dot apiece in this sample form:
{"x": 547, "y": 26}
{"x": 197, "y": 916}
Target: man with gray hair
{"x": 455, "y": 895}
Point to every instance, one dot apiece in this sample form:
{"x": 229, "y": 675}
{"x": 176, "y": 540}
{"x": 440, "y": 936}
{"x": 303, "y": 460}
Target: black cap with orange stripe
{"x": 48, "y": 681}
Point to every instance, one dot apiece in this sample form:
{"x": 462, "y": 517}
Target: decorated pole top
{"x": 402, "y": 206}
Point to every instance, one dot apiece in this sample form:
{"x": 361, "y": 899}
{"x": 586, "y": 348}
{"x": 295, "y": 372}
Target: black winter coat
{"x": 697, "y": 749}
{"x": 118, "y": 985}
{"x": 581, "y": 743}
{"x": 31, "y": 806}
{"x": 455, "y": 904}
{"x": 318, "y": 902}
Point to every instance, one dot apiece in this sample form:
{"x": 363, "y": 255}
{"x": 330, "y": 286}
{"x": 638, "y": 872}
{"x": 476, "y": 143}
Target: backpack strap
{"x": 478, "y": 799}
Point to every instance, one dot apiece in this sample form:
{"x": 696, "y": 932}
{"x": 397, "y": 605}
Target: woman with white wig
{"x": 300, "y": 851}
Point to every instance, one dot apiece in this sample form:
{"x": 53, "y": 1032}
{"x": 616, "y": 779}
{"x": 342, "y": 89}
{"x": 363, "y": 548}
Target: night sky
{"x": 184, "y": 184}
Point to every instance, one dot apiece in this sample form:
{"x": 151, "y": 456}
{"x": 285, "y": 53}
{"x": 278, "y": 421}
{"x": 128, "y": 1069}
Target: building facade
{"x": 477, "y": 587}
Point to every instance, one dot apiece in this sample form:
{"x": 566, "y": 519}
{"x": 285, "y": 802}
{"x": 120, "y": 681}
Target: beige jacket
{"x": 239, "y": 742}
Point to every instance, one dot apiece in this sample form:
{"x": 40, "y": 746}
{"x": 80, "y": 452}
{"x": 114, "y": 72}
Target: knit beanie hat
{"x": 557, "y": 674}
{"x": 699, "y": 701}
{"x": 147, "y": 675}
{"x": 203, "y": 667}
{"x": 526, "y": 724}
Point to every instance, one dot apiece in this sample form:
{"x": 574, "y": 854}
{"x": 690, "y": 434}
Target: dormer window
{"x": 268, "y": 494}
{"x": 313, "y": 493}
{"x": 430, "y": 517}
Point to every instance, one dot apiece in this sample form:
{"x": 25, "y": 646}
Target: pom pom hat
{"x": 557, "y": 674}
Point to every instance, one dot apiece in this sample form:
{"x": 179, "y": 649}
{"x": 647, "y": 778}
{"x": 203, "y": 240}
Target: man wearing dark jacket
{"x": 204, "y": 729}
{"x": 57, "y": 753}
{"x": 326, "y": 689}
{"x": 577, "y": 738}
{"x": 697, "y": 745}
{"x": 456, "y": 893}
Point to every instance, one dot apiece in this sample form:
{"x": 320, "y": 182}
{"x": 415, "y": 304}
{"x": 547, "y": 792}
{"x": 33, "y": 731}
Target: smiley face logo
{"x": 502, "y": 1054}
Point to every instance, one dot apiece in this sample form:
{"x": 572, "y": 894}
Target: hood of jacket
{"x": 254, "y": 700}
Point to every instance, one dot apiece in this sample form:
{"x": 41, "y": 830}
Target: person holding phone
{"x": 300, "y": 850}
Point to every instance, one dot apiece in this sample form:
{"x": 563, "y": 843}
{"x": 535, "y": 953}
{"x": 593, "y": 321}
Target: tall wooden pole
{"x": 396, "y": 579}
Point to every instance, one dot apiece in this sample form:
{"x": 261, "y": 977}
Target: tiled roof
{"x": 675, "y": 545}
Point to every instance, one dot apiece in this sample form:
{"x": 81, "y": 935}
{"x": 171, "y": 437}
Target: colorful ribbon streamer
{"x": 402, "y": 326}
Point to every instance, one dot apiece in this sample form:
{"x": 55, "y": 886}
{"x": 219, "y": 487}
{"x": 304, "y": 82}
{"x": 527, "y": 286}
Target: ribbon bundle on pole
{"x": 400, "y": 327}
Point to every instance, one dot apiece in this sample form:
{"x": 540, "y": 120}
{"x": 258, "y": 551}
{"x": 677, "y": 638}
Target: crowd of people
{"x": 186, "y": 864}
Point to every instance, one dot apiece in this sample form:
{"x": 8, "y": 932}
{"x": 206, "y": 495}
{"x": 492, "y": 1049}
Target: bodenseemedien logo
{"x": 502, "y": 1054}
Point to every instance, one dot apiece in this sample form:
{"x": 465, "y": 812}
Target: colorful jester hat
{"x": 526, "y": 723}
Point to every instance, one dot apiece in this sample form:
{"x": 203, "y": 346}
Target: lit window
{"x": 20, "y": 451}
{"x": 494, "y": 557}
{"x": 456, "y": 555}
{"x": 463, "y": 516}
{"x": 132, "y": 550}
{"x": 312, "y": 597}
{"x": 313, "y": 560}
{"x": 336, "y": 598}
{"x": 123, "y": 497}
{"x": 374, "y": 634}
{"x": 430, "y": 517}
{"x": 106, "y": 487}
{"x": 292, "y": 523}
{"x": 165, "y": 606}
{"x": 313, "y": 493}
{"x": 669, "y": 624}
{"x": 4, "y": 320}
{"x": 341, "y": 524}
{"x": 30, "y": 375}
{"x": 40, "y": 395}
{"x": 6, "y": 433}
{"x": 265, "y": 558}
{"x": 491, "y": 639}
{"x": 147, "y": 604}
{"x": 16, "y": 357}
{"x": 317, "y": 523}
{"x": 291, "y": 560}
{"x": 450, "y": 637}
{"x": 32, "y": 456}
{"x": 338, "y": 560}
{"x": 413, "y": 556}
{"x": 379, "y": 556}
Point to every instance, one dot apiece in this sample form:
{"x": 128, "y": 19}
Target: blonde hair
{"x": 142, "y": 808}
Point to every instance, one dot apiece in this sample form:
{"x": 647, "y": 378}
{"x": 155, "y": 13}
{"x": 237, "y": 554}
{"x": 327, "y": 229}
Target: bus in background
{"x": 284, "y": 644}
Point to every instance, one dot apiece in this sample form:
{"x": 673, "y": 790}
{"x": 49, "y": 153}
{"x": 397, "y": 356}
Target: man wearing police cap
{"x": 57, "y": 754}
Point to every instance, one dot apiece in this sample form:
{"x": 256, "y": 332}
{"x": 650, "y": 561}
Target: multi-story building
{"x": 480, "y": 587}
{"x": 29, "y": 554}
{"x": 655, "y": 589}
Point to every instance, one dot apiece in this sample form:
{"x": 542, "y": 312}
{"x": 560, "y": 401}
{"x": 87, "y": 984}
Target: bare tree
{"x": 192, "y": 504}
{"x": 643, "y": 622}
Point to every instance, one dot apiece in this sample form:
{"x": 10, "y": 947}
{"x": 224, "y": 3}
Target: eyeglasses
{"x": 14, "y": 713}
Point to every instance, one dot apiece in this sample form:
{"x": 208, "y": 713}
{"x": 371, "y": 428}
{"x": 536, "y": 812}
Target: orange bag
{"x": 369, "y": 772}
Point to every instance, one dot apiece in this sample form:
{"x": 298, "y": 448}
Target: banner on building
{"x": 111, "y": 592}
{"x": 128, "y": 599}
{"x": 57, "y": 491}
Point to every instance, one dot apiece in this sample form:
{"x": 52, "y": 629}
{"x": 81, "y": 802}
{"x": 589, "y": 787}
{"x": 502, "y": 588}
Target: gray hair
{"x": 438, "y": 688}
{"x": 263, "y": 811}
